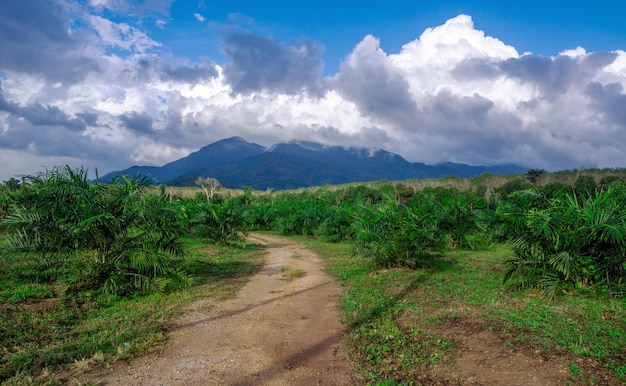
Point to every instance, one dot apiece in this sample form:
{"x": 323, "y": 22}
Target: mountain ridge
{"x": 236, "y": 162}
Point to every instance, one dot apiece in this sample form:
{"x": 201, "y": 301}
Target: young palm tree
{"x": 221, "y": 223}
{"x": 399, "y": 235}
{"x": 572, "y": 242}
{"x": 121, "y": 237}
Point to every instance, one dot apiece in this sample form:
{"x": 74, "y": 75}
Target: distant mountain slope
{"x": 236, "y": 163}
{"x": 463, "y": 170}
{"x": 220, "y": 152}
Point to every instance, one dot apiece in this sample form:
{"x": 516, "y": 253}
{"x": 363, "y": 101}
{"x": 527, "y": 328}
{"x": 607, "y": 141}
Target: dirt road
{"x": 283, "y": 328}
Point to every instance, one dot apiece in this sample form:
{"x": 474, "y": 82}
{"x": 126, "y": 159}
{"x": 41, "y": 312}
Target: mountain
{"x": 220, "y": 152}
{"x": 236, "y": 163}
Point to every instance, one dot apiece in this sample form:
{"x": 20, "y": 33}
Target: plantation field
{"x": 454, "y": 323}
{"x": 48, "y": 338}
{"x": 490, "y": 280}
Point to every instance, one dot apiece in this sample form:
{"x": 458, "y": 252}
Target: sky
{"x": 107, "y": 84}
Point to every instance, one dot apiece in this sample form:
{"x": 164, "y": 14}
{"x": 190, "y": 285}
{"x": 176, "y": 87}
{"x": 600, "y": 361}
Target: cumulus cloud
{"x": 78, "y": 86}
{"x": 369, "y": 79}
{"x": 37, "y": 38}
{"x": 138, "y": 122}
{"x": 121, "y": 35}
{"x": 556, "y": 75}
{"x": 39, "y": 115}
{"x": 609, "y": 101}
{"x": 189, "y": 74}
{"x": 261, "y": 63}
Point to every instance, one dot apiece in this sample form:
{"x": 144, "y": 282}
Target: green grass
{"x": 289, "y": 274}
{"x": 397, "y": 315}
{"x": 47, "y": 338}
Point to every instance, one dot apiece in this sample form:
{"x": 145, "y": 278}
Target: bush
{"x": 222, "y": 223}
{"x": 122, "y": 240}
{"x": 398, "y": 235}
{"x": 574, "y": 242}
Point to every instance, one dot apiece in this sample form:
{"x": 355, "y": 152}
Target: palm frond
{"x": 563, "y": 262}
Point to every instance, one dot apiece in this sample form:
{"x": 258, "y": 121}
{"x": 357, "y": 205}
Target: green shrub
{"x": 573, "y": 242}
{"x": 398, "y": 235}
{"x": 124, "y": 238}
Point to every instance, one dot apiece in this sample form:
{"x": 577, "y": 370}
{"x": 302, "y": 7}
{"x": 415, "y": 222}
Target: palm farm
{"x": 93, "y": 273}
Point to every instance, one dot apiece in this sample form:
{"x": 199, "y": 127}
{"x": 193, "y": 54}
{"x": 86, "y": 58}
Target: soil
{"x": 284, "y": 328}
{"x": 485, "y": 357}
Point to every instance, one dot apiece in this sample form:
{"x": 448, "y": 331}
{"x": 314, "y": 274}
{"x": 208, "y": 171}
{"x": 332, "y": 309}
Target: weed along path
{"x": 282, "y": 328}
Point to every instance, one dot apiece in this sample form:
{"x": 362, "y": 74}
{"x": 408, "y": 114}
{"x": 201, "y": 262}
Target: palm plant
{"x": 459, "y": 217}
{"x": 221, "y": 223}
{"x": 337, "y": 224}
{"x": 299, "y": 217}
{"x": 572, "y": 242}
{"x": 399, "y": 235}
{"x": 121, "y": 238}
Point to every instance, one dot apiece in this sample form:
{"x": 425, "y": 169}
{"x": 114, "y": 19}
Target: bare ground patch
{"x": 275, "y": 332}
{"x": 482, "y": 354}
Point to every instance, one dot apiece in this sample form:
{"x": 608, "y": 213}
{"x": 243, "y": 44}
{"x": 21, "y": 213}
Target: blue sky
{"x": 112, "y": 83}
{"x": 540, "y": 27}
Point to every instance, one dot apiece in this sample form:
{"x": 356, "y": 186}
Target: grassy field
{"x": 46, "y": 338}
{"x": 404, "y": 321}
{"x": 490, "y": 181}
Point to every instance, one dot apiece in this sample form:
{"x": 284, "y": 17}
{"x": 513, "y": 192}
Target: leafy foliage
{"x": 571, "y": 242}
{"x": 533, "y": 175}
{"x": 398, "y": 235}
{"x": 337, "y": 225}
{"x": 123, "y": 236}
{"x": 221, "y": 223}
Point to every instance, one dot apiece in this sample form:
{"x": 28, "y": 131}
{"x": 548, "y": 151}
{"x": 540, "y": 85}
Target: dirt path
{"x": 283, "y": 328}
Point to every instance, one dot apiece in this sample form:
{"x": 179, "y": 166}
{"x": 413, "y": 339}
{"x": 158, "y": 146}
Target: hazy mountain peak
{"x": 236, "y": 162}
{"x": 314, "y": 146}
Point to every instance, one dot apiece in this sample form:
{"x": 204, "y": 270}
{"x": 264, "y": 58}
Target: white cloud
{"x": 575, "y": 53}
{"x": 452, "y": 94}
{"x": 116, "y": 5}
{"x": 121, "y": 35}
{"x": 199, "y": 17}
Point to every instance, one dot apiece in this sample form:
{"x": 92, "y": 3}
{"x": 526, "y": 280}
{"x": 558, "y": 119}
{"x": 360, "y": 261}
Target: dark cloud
{"x": 152, "y": 68}
{"x": 145, "y": 69}
{"x": 367, "y": 79}
{"x": 189, "y": 74}
{"x": 465, "y": 110}
{"x": 552, "y": 76}
{"x": 40, "y": 115}
{"x": 56, "y": 140}
{"x": 261, "y": 63}
{"x": 140, "y": 123}
{"x": 596, "y": 60}
{"x": 476, "y": 69}
{"x": 364, "y": 137}
{"x": 556, "y": 75}
{"x": 35, "y": 38}
{"x": 91, "y": 119}
{"x": 468, "y": 129}
{"x": 608, "y": 100}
